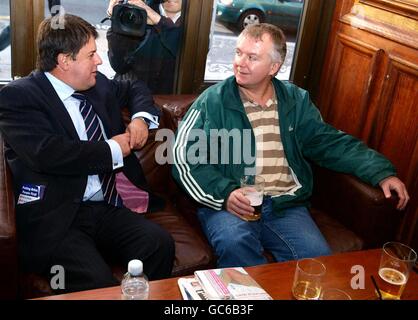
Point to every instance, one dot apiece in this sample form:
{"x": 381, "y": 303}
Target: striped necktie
{"x": 94, "y": 133}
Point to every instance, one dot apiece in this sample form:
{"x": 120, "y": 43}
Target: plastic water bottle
{"x": 134, "y": 283}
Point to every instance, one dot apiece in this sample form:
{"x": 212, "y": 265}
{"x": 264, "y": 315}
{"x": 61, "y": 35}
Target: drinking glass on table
{"x": 307, "y": 283}
{"x": 396, "y": 262}
{"x": 334, "y": 294}
{"x": 253, "y": 188}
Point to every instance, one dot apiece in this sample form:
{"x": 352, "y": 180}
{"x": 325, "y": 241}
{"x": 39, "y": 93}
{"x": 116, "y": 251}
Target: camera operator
{"x": 155, "y": 61}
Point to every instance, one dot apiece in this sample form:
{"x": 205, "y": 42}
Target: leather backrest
{"x": 357, "y": 205}
{"x": 154, "y": 156}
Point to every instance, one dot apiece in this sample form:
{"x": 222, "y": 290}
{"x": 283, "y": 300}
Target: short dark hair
{"x": 61, "y": 34}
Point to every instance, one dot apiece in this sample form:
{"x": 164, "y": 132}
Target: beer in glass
{"x": 396, "y": 263}
{"x": 307, "y": 283}
{"x": 253, "y": 188}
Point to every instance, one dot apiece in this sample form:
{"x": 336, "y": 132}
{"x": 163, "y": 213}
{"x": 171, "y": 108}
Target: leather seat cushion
{"x": 339, "y": 237}
{"x": 191, "y": 249}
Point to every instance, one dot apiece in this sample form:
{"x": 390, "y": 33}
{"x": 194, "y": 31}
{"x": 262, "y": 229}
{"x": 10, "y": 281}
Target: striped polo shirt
{"x": 271, "y": 160}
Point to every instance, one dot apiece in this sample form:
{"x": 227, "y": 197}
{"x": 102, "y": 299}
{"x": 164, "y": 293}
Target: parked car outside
{"x": 240, "y": 13}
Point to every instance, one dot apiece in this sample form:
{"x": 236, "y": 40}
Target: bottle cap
{"x": 135, "y": 267}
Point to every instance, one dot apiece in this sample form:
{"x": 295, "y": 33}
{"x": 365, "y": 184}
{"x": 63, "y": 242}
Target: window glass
{"x": 138, "y": 46}
{"x": 231, "y": 16}
{"x": 5, "y": 36}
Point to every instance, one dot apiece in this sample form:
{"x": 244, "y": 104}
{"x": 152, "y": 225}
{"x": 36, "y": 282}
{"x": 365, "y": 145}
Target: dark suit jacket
{"x": 43, "y": 148}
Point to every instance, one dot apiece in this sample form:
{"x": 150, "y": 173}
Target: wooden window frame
{"x": 25, "y": 17}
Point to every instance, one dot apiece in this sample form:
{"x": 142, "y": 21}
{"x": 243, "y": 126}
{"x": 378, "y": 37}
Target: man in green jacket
{"x": 253, "y": 123}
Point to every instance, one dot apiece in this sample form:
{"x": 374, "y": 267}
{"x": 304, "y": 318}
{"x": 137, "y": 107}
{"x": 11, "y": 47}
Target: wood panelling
{"x": 383, "y": 20}
{"x": 407, "y": 8}
{"x": 399, "y": 124}
{"x": 356, "y": 64}
{"x": 369, "y": 86}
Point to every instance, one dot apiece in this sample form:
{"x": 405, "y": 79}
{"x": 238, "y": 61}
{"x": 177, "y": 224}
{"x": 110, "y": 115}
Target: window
{"x": 190, "y": 73}
{"x": 231, "y": 16}
{"x": 153, "y": 56}
{"x": 156, "y": 59}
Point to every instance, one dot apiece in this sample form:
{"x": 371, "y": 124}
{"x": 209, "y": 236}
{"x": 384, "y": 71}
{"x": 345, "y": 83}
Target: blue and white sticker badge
{"x": 30, "y": 193}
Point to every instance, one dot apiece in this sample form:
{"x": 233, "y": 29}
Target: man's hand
{"x": 238, "y": 204}
{"x": 123, "y": 141}
{"x": 152, "y": 16}
{"x": 393, "y": 183}
{"x": 138, "y": 131}
{"x": 112, "y": 3}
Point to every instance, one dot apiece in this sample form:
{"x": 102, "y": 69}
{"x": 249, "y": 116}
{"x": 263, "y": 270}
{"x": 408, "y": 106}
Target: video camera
{"x": 130, "y": 20}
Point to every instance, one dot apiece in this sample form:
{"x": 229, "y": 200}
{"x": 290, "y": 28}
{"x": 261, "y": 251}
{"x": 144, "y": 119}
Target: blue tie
{"x": 94, "y": 133}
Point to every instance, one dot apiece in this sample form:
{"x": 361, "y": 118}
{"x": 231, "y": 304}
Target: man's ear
{"x": 63, "y": 60}
{"x": 275, "y": 67}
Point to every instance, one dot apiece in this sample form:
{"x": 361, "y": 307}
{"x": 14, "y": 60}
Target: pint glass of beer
{"x": 396, "y": 263}
{"x": 253, "y": 187}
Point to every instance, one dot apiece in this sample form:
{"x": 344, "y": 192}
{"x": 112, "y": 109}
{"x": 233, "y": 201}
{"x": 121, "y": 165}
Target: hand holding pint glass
{"x": 396, "y": 263}
{"x": 253, "y": 188}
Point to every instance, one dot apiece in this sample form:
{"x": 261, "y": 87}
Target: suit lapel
{"x": 55, "y": 103}
{"x": 61, "y": 113}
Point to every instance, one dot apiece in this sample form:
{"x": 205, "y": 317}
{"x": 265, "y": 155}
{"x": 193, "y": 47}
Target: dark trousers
{"x": 101, "y": 234}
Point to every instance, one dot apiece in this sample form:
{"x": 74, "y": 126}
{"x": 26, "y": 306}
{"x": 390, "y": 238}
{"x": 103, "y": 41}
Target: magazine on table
{"x": 191, "y": 289}
{"x": 222, "y": 284}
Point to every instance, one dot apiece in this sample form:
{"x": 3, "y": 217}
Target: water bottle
{"x": 135, "y": 283}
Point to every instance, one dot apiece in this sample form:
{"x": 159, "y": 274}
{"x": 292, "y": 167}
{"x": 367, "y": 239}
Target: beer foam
{"x": 397, "y": 279}
{"x": 256, "y": 198}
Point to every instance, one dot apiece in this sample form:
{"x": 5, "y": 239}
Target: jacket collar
{"x": 286, "y": 101}
{"x": 61, "y": 113}
{"x": 55, "y": 103}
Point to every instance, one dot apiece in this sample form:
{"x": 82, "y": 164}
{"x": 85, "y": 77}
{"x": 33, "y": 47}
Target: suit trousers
{"x": 102, "y": 233}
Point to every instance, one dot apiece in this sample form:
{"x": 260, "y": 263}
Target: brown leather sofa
{"x": 351, "y": 214}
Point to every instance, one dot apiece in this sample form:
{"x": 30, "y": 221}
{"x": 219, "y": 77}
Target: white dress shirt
{"x": 93, "y": 189}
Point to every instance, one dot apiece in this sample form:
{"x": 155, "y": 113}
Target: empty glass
{"x": 334, "y": 294}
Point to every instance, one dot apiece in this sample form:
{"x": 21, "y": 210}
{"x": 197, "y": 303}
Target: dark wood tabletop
{"x": 277, "y": 279}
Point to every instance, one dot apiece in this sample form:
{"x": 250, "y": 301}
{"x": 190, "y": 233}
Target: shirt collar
{"x": 164, "y": 14}
{"x": 246, "y": 101}
{"x": 63, "y": 90}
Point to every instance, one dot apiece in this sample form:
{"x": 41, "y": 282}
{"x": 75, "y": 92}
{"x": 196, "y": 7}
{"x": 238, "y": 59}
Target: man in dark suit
{"x": 64, "y": 140}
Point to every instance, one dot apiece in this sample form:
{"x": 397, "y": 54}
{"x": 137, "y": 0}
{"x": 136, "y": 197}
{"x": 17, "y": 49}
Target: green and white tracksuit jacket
{"x": 209, "y": 161}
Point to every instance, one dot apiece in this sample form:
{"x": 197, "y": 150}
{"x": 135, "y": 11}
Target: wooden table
{"x": 277, "y": 278}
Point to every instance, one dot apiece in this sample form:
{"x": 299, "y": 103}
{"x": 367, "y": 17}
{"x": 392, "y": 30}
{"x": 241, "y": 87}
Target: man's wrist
{"x": 146, "y": 121}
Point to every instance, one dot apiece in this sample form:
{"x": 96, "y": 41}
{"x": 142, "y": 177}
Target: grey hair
{"x": 256, "y": 31}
